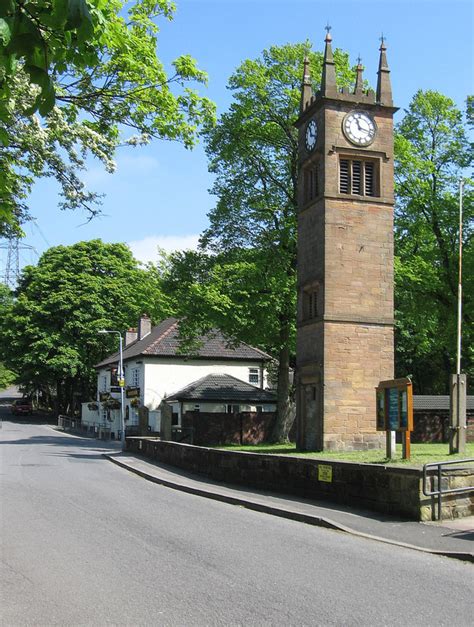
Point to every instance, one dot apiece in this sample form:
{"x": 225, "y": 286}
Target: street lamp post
{"x": 457, "y": 440}
{"x": 121, "y": 379}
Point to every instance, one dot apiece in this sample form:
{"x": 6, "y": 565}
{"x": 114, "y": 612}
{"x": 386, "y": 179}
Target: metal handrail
{"x": 440, "y": 492}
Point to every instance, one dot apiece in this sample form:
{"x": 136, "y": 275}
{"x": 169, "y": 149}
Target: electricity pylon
{"x": 11, "y": 272}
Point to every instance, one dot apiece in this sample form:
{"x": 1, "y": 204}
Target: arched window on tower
{"x": 311, "y": 309}
{"x": 311, "y": 181}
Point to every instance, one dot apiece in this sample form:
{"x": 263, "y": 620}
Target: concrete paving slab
{"x": 451, "y": 538}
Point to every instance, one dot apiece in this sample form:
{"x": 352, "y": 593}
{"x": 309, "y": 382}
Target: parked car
{"x": 22, "y": 406}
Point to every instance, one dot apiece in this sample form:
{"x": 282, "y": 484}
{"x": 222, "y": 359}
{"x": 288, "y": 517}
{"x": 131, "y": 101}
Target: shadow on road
{"x": 461, "y": 535}
{"x": 37, "y": 418}
{"x": 64, "y": 440}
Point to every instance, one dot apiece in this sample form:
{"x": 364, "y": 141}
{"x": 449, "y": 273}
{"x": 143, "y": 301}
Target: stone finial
{"x": 384, "y": 87}
{"x": 306, "y": 89}
{"x": 328, "y": 78}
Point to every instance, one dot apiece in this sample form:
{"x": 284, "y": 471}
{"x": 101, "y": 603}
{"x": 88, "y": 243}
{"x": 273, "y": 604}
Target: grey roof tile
{"x": 163, "y": 341}
{"x": 439, "y": 402}
{"x": 222, "y": 388}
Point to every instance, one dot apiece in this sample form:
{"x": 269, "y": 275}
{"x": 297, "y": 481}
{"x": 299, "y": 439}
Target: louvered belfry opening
{"x": 357, "y": 177}
{"x": 369, "y": 179}
{"x": 344, "y": 178}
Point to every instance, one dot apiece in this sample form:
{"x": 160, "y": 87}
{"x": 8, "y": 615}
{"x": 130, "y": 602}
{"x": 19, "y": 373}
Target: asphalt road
{"x": 84, "y": 542}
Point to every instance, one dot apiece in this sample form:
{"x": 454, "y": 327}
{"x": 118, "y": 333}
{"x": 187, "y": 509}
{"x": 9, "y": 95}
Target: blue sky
{"x": 159, "y": 193}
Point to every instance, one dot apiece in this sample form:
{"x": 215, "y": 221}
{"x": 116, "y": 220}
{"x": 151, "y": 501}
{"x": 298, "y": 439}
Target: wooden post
{"x": 406, "y": 435}
{"x": 406, "y": 443}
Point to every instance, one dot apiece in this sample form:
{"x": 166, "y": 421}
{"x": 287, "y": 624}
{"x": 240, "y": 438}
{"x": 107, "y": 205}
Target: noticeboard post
{"x": 394, "y": 400}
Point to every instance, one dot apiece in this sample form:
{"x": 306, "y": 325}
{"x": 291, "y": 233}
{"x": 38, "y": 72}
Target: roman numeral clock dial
{"x": 359, "y": 128}
{"x": 311, "y": 135}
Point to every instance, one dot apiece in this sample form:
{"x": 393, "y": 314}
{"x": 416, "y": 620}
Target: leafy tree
{"x": 432, "y": 154}
{"x": 90, "y": 69}
{"x": 7, "y": 377}
{"x": 249, "y": 289}
{"x": 49, "y": 336}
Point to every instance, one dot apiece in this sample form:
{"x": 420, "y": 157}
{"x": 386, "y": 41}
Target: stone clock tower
{"x": 345, "y": 258}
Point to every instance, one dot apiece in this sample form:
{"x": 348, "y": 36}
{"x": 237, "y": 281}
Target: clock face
{"x": 311, "y": 135}
{"x": 359, "y": 128}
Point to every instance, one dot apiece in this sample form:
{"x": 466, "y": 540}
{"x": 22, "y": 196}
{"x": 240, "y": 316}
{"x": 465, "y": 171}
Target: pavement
{"x": 451, "y": 538}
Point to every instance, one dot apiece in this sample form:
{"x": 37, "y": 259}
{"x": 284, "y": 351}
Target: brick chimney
{"x": 130, "y": 335}
{"x": 144, "y": 326}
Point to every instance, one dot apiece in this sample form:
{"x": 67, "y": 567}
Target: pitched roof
{"x": 439, "y": 402}
{"x": 164, "y": 341}
{"x": 222, "y": 388}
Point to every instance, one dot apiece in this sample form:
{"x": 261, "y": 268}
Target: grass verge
{"x": 420, "y": 453}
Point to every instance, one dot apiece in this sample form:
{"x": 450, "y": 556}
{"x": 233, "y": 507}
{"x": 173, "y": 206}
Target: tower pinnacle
{"x": 359, "y": 85}
{"x": 306, "y": 89}
{"x": 384, "y": 88}
{"x": 328, "y": 78}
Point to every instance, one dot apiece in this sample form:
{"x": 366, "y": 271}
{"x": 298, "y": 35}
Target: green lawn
{"x": 420, "y": 453}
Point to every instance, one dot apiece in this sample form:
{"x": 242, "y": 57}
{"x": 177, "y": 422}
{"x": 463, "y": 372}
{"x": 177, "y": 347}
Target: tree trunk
{"x": 57, "y": 400}
{"x": 285, "y": 408}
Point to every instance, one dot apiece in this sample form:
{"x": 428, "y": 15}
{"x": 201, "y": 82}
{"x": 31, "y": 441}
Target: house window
{"x": 114, "y": 377}
{"x": 357, "y": 177}
{"x": 311, "y": 182}
{"x": 254, "y": 376}
{"x": 135, "y": 377}
{"x": 197, "y": 408}
{"x": 103, "y": 383}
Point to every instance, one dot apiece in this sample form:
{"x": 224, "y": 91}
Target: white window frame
{"x": 252, "y": 373}
{"x": 135, "y": 377}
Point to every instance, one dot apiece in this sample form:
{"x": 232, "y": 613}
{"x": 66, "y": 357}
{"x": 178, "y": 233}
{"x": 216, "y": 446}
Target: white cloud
{"x": 147, "y": 249}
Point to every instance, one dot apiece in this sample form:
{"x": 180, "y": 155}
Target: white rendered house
{"x": 155, "y": 369}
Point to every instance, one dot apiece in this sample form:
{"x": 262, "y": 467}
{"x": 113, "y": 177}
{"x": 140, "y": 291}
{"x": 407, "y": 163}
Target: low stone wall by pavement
{"x": 456, "y": 505}
{"x": 387, "y": 489}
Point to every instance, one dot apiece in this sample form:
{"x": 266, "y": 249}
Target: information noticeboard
{"x": 394, "y": 400}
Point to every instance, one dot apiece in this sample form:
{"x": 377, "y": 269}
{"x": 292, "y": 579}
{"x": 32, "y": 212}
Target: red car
{"x": 22, "y": 406}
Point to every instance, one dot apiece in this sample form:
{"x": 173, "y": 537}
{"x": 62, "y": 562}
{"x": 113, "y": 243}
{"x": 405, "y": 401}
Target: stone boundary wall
{"x": 432, "y": 425}
{"x": 387, "y": 489}
{"x": 208, "y": 429}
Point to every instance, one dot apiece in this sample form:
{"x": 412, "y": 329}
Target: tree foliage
{"x": 7, "y": 377}
{"x": 247, "y": 285}
{"x": 432, "y": 154}
{"x": 90, "y": 71}
{"x": 49, "y": 334}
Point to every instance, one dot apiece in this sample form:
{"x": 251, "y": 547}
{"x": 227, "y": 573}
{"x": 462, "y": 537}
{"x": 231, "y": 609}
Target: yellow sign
{"x": 325, "y": 473}
{"x": 121, "y": 383}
